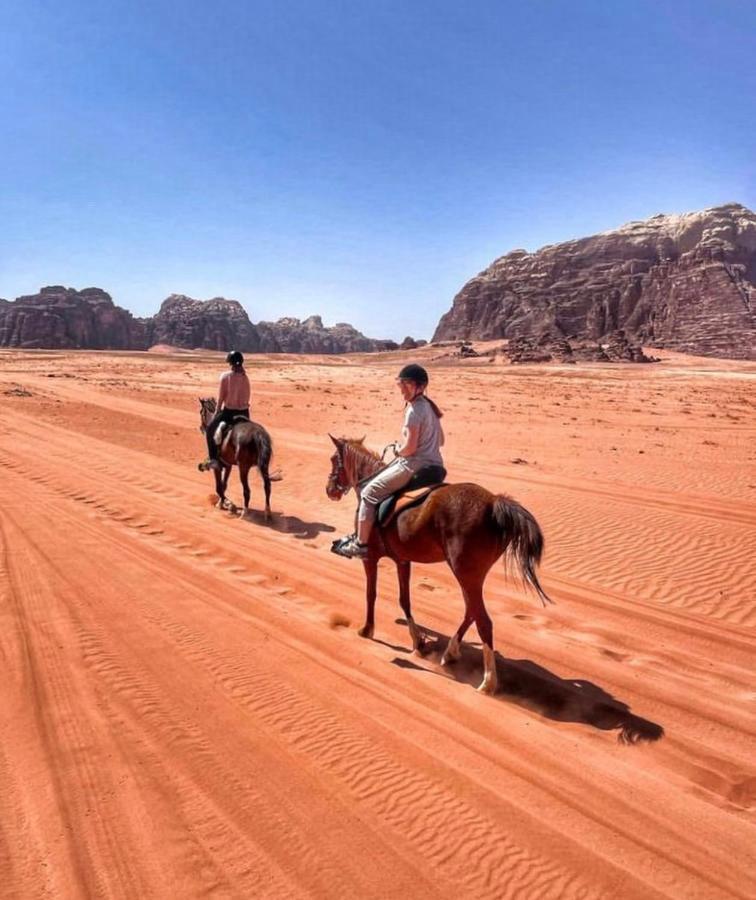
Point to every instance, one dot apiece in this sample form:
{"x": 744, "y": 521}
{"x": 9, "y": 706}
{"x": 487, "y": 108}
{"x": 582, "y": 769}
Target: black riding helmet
{"x": 413, "y": 372}
{"x": 235, "y": 358}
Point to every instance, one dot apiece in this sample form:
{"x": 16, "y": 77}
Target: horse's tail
{"x": 264, "y": 445}
{"x": 523, "y": 540}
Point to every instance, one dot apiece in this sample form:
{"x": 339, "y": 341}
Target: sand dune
{"x": 188, "y": 711}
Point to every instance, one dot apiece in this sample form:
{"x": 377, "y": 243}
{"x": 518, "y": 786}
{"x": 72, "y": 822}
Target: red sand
{"x": 181, "y": 720}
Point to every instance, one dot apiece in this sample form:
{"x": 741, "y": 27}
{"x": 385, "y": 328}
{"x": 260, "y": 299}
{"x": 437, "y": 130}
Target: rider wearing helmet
{"x": 233, "y": 400}
{"x": 420, "y": 446}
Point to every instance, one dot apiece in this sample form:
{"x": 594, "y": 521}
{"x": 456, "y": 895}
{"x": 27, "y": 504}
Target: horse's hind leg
{"x": 403, "y": 570}
{"x": 452, "y": 652}
{"x": 266, "y": 487}
{"x": 477, "y": 610}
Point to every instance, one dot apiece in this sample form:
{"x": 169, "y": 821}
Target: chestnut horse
{"x": 245, "y": 444}
{"x": 461, "y": 524}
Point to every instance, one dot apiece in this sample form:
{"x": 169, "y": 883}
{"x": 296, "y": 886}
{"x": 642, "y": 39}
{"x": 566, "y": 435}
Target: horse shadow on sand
{"x": 287, "y": 524}
{"x": 535, "y": 688}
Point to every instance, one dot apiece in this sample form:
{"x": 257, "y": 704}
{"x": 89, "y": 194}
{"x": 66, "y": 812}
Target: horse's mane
{"x": 357, "y": 445}
{"x": 360, "y": 461}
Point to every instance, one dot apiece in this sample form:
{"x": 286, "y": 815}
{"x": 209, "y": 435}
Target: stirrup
{"x": 209, "y": 465}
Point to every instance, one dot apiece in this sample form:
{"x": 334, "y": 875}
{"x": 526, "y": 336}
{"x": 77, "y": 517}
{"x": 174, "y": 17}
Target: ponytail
{"x": 434, "y": 407}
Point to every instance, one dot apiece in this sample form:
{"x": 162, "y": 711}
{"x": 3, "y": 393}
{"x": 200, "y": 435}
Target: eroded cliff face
{"x": 291, "y": 335}
{"x": 685, "y": 282}
{"x": 216, "y": 324}
{"x": 60, "y": 317}
{"x": 63, "y": 318}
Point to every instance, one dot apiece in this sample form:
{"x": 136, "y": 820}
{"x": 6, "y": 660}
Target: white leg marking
{"x": 489, "y": 683}
{"x": 452, "y": 652}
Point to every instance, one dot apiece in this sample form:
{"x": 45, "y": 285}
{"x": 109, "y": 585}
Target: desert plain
{"x": 187, "y": 709}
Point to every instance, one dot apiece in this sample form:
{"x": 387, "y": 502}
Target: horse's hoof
{"x": 366, "y": 631}
{"x": 422, "y": 648}
{"x": 447, "y": 659}
{"x": 487, "y": 687}
{"x": 268, "y": 517}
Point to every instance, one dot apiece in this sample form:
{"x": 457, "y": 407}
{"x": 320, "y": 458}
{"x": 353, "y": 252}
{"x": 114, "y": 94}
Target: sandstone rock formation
{"x": 685, "y": 282}
{"x": 409, "y": 343}
{"x": 216, "y": 324}
{"x": 59, "y": 317}
{"x": 63, "y": 318}
{"x": 553, "y": 348}
{"x": 290, "y": 335}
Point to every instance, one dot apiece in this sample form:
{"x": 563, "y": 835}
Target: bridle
{"x": 338, "y": 481}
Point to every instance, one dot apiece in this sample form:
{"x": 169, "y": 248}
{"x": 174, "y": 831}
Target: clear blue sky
{"x": 360, "y": 159}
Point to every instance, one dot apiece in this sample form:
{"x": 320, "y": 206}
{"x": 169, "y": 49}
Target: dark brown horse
{"x": 245, "y": 444}
{"x": 461, "y": 524}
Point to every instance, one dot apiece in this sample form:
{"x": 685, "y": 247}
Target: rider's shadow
{"x": 288, "y": 524}
{"x": 535, "y": 688}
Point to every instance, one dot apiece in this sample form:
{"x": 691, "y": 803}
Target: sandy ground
{"x": 187, "y": 710}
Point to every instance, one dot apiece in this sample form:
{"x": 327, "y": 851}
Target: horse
{"x": 245, "y": 444}
{"x": 463, "y": 525}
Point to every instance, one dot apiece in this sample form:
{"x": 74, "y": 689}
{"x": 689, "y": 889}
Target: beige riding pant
{"x": 393, "y": 477}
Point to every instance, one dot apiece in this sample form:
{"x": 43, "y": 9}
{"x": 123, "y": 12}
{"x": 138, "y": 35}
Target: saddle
{"x": 220, "y": 431}
{"x": 422, "y": 483}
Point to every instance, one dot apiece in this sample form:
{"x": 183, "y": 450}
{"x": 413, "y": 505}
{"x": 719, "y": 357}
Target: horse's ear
{"x": 362, "y": 439}
{"x": 336, "y": 441}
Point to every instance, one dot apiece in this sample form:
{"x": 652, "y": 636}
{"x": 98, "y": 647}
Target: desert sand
{"x": 187, "y": 709}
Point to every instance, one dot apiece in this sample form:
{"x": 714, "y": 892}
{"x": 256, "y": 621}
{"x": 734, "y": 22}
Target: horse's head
{"x": 350, "y": 464}
{"x": 207, "y": 411}
{"x": 338, "y": 481}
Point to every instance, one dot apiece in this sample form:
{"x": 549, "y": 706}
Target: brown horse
{"x": 461, "y": 524}
{"x": 245, "y": 444}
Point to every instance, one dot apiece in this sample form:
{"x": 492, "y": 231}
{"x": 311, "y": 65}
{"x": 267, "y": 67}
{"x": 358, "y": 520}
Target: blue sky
{"x": 358, "y": 160}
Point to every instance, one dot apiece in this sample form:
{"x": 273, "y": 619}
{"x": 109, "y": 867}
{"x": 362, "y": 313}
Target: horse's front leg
{"x": 371, "y": 589}
{"x": 221, "y": 480}
{"x": 404, "y": 571}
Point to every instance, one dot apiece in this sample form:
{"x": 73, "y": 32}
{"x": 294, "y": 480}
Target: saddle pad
{"x": 389, "y": 508}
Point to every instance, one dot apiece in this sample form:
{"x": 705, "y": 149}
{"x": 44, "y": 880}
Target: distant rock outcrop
{"x": 216, "y": 324}
{"x": 553, "y": 348}
{"x": 289, "y": 335}
{"x": 685, "y": 282}
{"x": 63, "y": 318}
{"x": 59, "y": 317}
{"x": 409, "y": 343}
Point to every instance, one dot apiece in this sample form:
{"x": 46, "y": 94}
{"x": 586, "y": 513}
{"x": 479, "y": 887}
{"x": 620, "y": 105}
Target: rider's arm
{"x": 222, "y": 392}
{"x": 408, "y": 444}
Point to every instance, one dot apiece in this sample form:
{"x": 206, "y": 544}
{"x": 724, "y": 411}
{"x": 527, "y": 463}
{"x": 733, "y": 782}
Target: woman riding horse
{"x": 463, "y": 525}
{"x": 422, "y": 439}
{"x": 233, "y": 400}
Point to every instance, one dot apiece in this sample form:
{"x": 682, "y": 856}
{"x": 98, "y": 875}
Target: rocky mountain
{"x": 685, "y": 282}
{"x": 216, "y": 324}
{"x": 311, "y": 336}
{"x": 66, "y": 318}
